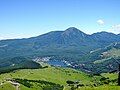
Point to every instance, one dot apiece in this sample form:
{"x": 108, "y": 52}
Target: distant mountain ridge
{"x": 103, "y": 59}
{"x": 61, "y": 43}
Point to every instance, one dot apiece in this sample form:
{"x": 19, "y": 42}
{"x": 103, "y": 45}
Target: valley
{"x": 61, "y": 60}
{"x": 59, "y": 45}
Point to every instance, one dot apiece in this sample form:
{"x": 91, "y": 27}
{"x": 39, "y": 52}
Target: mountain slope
{"x": 15, "y": 63}
{"x": 53, "y": 78}
{"x": 45, "y": 78}
{"x": 105, "y": 37}
{"x": 103, "y": 59}
{"x": 69, "y": 44}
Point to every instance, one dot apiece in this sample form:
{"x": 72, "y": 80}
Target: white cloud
{"x": 100, "y": 22}
{"x": 115, "y": 29}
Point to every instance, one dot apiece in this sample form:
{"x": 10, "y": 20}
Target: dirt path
{"x": 17, "y": 85}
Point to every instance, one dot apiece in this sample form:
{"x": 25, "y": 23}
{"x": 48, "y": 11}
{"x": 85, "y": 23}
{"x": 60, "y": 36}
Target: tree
{"x": 119, "y": 76}
{"x": 117, "y": 60}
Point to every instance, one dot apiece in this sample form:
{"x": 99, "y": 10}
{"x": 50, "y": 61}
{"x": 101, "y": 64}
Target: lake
{"x": 57, "y": 63}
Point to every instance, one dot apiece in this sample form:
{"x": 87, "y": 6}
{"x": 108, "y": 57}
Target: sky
{"x": 28, "y": 18}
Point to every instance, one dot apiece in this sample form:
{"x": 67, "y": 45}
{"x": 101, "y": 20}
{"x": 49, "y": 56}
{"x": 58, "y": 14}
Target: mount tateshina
{"x": 94, "y": 53}
{"x": 60, "y": 43}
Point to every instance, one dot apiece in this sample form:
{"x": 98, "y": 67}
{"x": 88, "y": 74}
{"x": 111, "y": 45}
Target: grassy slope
{"x": 114, "y": 52}
{"x": 105, "y": 87}
{"x": 110, "y": 53}
{"x": 111, "y": 76}
{"x": 51, "y": 74}
{"x": 7, "y": 86}
{"x": 55, "y": 75}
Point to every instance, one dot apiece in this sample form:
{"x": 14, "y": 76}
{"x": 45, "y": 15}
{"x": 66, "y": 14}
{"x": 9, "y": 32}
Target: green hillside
{"x": 52, "y": 75}
{"x": 102, "y": 59}
{"x": 15, "y": 63}
{"x": 53, "y": 78}
{"x": 71, "y": 43}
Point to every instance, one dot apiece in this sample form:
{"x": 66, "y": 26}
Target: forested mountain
{"x": 7, "y": 65}
{"x": 103, "y": 59}
{"x": 58, "y": 43}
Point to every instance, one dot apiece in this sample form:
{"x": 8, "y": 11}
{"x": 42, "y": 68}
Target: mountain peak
{"x": 72, "y": 31}
{"x": 104, "y": 33}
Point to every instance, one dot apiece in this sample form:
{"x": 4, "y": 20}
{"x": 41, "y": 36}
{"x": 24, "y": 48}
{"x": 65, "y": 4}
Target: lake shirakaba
{"x": 59, "y": 63}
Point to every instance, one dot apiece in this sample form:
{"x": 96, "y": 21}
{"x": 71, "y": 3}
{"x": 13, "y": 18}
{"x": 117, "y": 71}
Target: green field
{"x": 54, "y": 78}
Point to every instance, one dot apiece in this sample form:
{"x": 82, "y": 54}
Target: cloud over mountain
{"x": 100, "y": 22}
{"x": 116, "y": 28}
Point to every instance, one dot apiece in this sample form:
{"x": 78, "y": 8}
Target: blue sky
{"x": 27, "y": 18}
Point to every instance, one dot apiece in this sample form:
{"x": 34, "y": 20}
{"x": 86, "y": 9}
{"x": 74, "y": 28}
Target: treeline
{"x": 18, "y": 63}
{"x": 46, "y": 85}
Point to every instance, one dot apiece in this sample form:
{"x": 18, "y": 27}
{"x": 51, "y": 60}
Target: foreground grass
{"x": 57, "y": 76}
{"x": 7, "y": 86}
{"x": 52, "y": 74}
{"x": 105, "y": 87}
